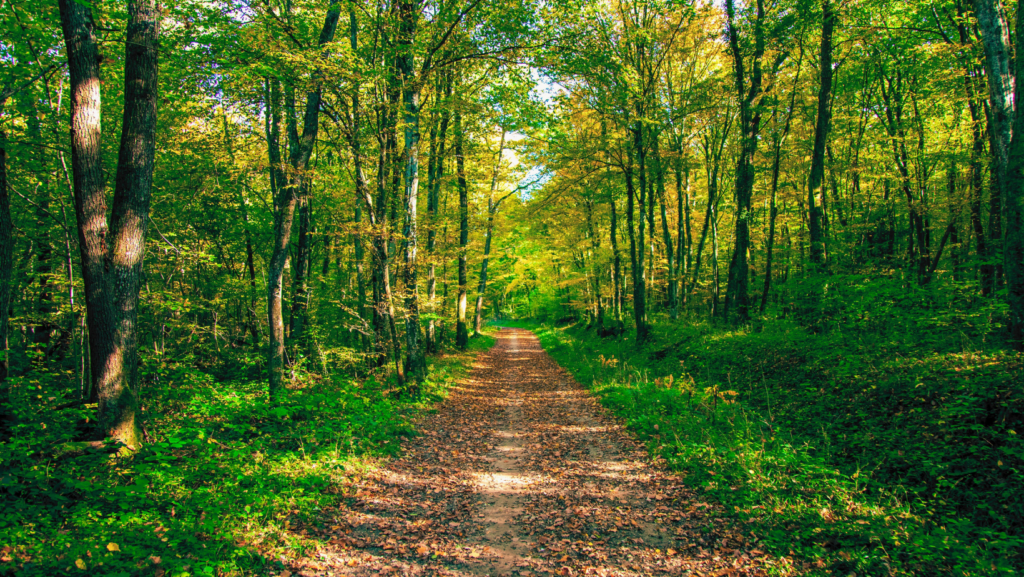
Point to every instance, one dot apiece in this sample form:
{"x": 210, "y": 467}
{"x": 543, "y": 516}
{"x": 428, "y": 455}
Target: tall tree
{"x": 1013, "y": 255}
{"x": 748, "y": 92}
{"x": 461, "y": 330}
{"x": 284, "y": 212}
{"x": 821, "y": 127}
{"x": 112, "y": 257}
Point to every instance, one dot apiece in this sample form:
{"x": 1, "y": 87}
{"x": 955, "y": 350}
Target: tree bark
{"x": 492, "y": 209}
{"x": 6, "y": 260}
{"x": 1013, "y": 252}
{"x": 461, "y": 331}
{"x": 821, "y": 128}
{"x": 737, "y": 295}
{"x": 636, "y": 239}
{"x": 112, "y": 259}
{"x": 595, "y": 246}
{"x": 780, "y": 139}
{"x": 995, "y": 36}
{"x": 435, "y": 174}
{"x": 300, "y": 286}
{"x": 415, "y": 363}
{"x": 284, "y": 215}
{"x": 659, "y": 175}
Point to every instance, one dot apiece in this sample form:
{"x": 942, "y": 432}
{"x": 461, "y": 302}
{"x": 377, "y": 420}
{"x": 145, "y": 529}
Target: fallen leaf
{"x": 113, "y": 547}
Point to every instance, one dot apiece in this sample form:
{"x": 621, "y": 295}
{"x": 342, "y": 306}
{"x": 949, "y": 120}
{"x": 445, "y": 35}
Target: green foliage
{"x": 850, "y": 458}
{"x": 225, "y": 484}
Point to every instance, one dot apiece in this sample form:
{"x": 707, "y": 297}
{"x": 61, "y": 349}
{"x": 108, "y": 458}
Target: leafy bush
{"x": 223, "y": 485}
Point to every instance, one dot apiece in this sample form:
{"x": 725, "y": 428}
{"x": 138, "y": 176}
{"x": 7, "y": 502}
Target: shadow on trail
{"x": 521, "y": 472}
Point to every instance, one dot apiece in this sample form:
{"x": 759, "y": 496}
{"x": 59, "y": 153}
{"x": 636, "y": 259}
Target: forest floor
{"x": 521, "y": 472}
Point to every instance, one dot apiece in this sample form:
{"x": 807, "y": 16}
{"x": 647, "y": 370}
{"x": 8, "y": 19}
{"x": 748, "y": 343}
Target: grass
{"x": 840, "y": 455}
{"x": 226, "y": 485}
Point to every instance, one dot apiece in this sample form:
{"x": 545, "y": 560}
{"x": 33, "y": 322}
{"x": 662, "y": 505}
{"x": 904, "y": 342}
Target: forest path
{"x": 521, "y": 472}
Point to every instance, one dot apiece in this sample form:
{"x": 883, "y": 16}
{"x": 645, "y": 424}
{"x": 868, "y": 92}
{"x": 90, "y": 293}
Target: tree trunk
{"x": 415, "y": 363}
{"x": 595, "y": 245}
{"x": 363, "y": 196}
{"x": 821, "y": 127}
{"x": 1013, "y": 252}
{"x": 636, "y": 239}
{"x": 492, "y": 209}
{"x": 737, "y": 295}
{"x": 684, "y": 238}
{"x": 774, "y": 208}
{"x": 6, "y": 260}
{"x": 659, "y": 175}
{"x": 300, "y": 286}
{"x": 995, "y": 36}
{"x": 713, "y": 150}
{"x": 435, "y": 174}
{"x": 112, "y": 259}
{"x": 285, "y": 212}
{"x": 461, "y": 331}
{"x": 42, "y": 330}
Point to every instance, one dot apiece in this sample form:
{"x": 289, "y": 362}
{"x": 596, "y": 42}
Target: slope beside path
{"x": 520, "y": 472}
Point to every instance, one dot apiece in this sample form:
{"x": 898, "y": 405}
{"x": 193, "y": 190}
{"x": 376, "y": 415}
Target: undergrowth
{"x": 226, "y": 484}
{"x": 847, "y": 456}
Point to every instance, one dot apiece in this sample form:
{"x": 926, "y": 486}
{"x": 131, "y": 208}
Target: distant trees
{"x": 879, "y": 167}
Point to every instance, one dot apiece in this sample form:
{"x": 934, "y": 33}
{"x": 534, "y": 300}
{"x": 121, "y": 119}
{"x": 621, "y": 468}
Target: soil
{"x": 521, "y": 472}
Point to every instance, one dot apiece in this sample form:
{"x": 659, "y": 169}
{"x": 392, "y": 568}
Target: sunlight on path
{"x": 522, "y": 473}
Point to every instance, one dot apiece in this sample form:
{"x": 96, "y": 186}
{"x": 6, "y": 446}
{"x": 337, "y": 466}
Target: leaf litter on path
{"x": 522, "y": 473}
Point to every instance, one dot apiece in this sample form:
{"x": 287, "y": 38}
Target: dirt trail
{"x": 521, "y": 472}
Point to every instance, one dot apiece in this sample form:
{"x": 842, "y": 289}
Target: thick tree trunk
{"x": 821, "y": 127}
{"x": 284, "y": 215}
{"x": 87, "y": 171}
{"x": 113, "y": 259}
{"x": 415, "y": 363}
{"x": 461, "y": 331}
{"x": 995, "y": 36}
